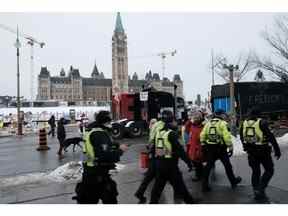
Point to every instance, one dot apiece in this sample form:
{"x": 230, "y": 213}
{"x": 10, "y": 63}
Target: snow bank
{"x": 283, "y": 140}
{"x": 238, "y": 149}
{"x": 69, "y": 172}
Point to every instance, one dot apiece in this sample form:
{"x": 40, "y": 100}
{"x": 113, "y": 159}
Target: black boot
{"x": 236, "y": 182}
{"x": 142, "y": 199}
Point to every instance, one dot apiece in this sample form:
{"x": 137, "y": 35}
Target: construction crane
{"x": 30, "y": 41}
{"x": 163, "y": 55}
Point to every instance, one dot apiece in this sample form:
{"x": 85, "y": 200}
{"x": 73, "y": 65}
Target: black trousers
{"x": 212, "y": 154}
{"x": 149, "y": 176}
{"x": 52, "y": 131}
{"x": 198, "y": 168}
{"x": 169, "y": 171}
{"x": 95, "y": 187}
{"x": 255, "y": 159}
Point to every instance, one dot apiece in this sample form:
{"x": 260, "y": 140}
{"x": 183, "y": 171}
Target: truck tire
{"x": 135, "y": 130}
{"x": 117, "y": 131}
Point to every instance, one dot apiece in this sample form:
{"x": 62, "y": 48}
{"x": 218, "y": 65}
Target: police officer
{"x": 216, "y": 144}
{"x": 167, "y": 152}
{"x": 151, "y": 172}
{"x": 256, "y": 136}
{"x": 102, "y": 153}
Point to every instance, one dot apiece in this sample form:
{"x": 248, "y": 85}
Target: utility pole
{"x": 231, "y": 68}
{"x": 212, "y": 67}
{"x": 19, "y": 119}
{"x": 175, "y": 101}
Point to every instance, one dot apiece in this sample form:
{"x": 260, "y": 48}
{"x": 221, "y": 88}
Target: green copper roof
{"x": 119, "y": 26}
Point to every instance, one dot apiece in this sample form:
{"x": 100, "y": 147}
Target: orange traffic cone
{"x": 42, "y": 140}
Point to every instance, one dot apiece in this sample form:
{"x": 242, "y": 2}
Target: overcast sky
{"x": 80, "y": 39}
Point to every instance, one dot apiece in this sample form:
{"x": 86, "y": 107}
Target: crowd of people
{"x": 206, "y": 141}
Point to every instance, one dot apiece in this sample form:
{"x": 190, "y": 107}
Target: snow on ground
{"x": 69, "y": 172}
{"x": 238, "y": 149}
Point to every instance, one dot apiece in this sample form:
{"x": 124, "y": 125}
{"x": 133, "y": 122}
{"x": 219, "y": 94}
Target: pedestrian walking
{"x": 101, "y": 155}
{"x": 151, "y": 172}
{"x": 194, "y": 145}
{"x": 52, "y": 124}
{"x": 216, "y": 144}
{"x": 167, "y": 153}
{"x": 255, "y": 136}
{"x": 61, "y": 135}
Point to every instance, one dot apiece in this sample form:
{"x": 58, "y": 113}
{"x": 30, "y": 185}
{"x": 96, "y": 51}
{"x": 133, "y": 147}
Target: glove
{"x": 230, "y": 151}
{"x": 245, "y": 147}
{"x": 190, "y": 167}
{"x": 277, "y": 155}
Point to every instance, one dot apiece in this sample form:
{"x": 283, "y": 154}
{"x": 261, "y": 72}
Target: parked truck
{"x": 270, "y": 97}
{"x": 132, "y": 114}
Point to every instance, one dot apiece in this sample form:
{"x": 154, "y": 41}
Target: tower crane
{"x": 163, "y": 55}
{"x": 30, "y": 41}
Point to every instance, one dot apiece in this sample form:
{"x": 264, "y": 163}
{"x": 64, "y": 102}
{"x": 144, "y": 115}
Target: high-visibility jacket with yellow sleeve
{"x": 163, "y": 147}
{"x": 252, "y": 133}
{"x": 215, "y": 132}
{"x": 155, "y": 128}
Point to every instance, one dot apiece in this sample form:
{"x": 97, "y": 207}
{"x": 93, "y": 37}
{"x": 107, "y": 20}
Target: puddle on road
{"x": 69, "y": 172}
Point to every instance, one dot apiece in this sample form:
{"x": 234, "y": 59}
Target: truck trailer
{"x": 270, "y": 97}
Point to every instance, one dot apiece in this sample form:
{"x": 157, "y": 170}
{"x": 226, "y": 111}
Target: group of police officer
{"x": 165, "y": 150}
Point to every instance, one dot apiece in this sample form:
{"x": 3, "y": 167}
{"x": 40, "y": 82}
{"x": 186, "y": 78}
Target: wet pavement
{"x": 18, "y": 157}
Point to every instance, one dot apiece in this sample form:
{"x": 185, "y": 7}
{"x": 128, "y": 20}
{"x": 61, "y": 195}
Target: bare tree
{"x": 277, "y": 39}
{"x": 243, "y": 61}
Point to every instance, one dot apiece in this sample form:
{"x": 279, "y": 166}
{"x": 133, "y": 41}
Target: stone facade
{"x": 119, "y": 59}
{"x": 75, "y": 88}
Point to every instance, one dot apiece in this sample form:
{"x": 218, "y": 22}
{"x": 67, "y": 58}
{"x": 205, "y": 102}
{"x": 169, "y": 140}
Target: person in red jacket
{"x": 195, "y": 150}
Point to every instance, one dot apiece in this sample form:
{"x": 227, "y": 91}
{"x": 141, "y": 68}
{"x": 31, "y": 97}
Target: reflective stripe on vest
{"x": 88, "y": 149}
{"x": 258, "y": 138}
{"x": 163, "y": 147}
{"x": 214, "y": 133}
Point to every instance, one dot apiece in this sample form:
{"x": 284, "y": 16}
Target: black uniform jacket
{"x": 266, "y": 132}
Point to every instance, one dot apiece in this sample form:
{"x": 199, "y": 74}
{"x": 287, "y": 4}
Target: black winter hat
{"x": 103, "y": 117}
{"x": 167, "y": 116}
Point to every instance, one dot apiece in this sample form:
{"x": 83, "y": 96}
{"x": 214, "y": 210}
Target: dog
{"x": 75, "y": 141}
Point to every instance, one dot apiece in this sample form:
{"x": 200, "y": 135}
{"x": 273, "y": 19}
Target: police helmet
{"x": 167, "y": 116}
{"x": 103, "y": 117}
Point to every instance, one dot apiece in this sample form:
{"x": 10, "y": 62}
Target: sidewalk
{"x": 7, "y": 132}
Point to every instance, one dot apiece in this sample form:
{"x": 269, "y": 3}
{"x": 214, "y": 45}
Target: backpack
{"x": 105, "y": 150}
{"x": 213, "y": 135}
{"x": 250, "y": 135}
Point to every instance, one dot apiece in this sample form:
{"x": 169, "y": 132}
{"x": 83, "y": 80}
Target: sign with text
{"x": 143, "y": 96}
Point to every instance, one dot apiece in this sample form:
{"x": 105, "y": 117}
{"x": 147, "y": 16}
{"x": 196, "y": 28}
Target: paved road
{"x": 18, "y": 156}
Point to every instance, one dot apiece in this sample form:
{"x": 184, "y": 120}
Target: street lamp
{"x": 231, "y": 68}
{"x": 19, "y": 120}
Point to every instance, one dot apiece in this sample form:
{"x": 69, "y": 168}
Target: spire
{"x": 95, "y": 71}
{"x": 119, "y": 26}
